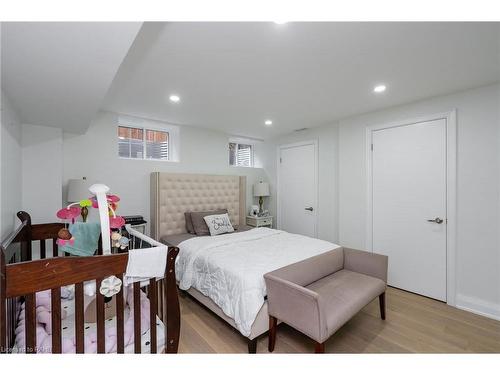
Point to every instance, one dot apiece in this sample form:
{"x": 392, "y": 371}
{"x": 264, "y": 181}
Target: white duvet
{"x": 229, "y": 268}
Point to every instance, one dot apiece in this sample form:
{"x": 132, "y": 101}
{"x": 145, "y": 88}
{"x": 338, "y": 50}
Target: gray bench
{"x": 319, "y": 295}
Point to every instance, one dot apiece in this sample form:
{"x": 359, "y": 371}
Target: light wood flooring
{"x": 413, "y": 324}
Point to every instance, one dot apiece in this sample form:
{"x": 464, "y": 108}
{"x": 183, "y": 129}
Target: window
{"x": 156, "y": 145}
{"x": 140, "y": 143}
{"x": 240, "y": 155}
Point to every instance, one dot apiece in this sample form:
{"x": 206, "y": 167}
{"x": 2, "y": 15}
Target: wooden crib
{"x": 21, "y": 277}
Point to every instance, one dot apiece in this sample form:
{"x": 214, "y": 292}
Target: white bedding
{"x": 229, "y": 268}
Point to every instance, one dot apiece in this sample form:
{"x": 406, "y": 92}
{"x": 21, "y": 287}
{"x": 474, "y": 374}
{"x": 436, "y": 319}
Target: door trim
{"x": 278, "y": 187}
{"x": 451, "y": 190}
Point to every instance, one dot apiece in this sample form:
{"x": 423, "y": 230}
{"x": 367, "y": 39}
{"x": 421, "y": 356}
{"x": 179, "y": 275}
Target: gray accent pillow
{"x": 189, "y": 222}
{"x": 199, "y": 225}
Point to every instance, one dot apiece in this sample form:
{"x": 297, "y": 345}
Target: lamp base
{"x": 84, "y": 212}
{"x": 261, "y": 202}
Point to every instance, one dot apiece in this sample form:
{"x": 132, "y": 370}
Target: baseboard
{"x": 478, "y": 306}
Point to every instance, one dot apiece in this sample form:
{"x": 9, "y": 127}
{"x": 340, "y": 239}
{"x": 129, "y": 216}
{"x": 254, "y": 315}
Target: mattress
{"x": 176, "y": 239}
{"x": 229, "y": 268}
{"x": 68, "y": 331}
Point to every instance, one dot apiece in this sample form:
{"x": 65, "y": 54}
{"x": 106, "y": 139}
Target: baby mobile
{"x": 111, "y": 227}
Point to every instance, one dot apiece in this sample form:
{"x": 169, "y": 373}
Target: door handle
{"x": 436, "y": 220}
{"x": 308, "y": 208}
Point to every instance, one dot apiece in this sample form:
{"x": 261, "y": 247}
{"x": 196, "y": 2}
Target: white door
{"x": 298, "y": 188}
{"x": 409, "y": 205}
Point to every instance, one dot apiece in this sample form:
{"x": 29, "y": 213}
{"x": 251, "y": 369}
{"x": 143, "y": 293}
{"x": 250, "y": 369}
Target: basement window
{"x": 240, "y": 155}
{"x": 147, "y": 140}
{"x": 140, "y": 143}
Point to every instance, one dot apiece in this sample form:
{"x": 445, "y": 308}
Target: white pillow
{"x": 218, "y": 224}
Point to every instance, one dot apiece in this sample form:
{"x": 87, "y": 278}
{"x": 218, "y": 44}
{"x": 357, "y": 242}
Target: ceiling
{"x": 57, "y": 74}
{"x": 233, "y": 76}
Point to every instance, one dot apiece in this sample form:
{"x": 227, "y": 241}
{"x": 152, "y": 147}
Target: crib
{"x": 22, "y": 276}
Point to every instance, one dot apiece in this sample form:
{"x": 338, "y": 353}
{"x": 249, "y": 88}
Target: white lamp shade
{"x": 261, "y": 189}
{"x": 78, "y": 190}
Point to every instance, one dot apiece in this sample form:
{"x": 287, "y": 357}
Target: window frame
{"x": 173, "y": 132}
{"x": 143, "y": 137}
{"x": 145, "y": 143}
{"x": 237, "y": 143}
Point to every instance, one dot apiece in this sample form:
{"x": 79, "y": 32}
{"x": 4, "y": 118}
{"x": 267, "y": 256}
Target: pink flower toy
{"x": 68, "y": 213}
{"x": 64, "y": 237}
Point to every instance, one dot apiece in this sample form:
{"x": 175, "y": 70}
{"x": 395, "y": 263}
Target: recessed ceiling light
{"x": 268, "y": 122}
{"x": 379, "y": 88}
{"x": 174, "y": 98}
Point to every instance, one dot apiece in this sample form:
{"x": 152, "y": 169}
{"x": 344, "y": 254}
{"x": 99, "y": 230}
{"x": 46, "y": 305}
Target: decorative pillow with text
{"x": 218, "y": 224}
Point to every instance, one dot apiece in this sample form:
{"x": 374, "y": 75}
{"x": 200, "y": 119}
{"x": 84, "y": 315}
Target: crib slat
{"x": 3, "y": 305}
{"x": 101, "y": 344}
{"x": 161, "y": 300}
{"x": 42, "y": 249}
{"x": 13, "y": 309}
{"x": 56, "y": 320}
{"x": 173, "y": 313}
{"x": 55, "y": 248}
{"x": 153, "y": 296}
{"x": 99, "y": 246}
{"x": 79, "y": 319}
{"x": 137, "y": 317}
{"x": 6, "y": 325}
{"x": 30, "y": 311}
{"x": 120, "y": 336}
{"x": 26, "y": 253}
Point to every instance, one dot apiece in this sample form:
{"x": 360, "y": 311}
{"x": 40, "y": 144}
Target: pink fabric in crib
{"x": 44, "y": 327}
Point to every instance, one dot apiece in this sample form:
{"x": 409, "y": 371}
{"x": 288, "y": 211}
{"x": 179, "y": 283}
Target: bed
{"x": 43, "y": 306}
{"x": 206, "y": 265}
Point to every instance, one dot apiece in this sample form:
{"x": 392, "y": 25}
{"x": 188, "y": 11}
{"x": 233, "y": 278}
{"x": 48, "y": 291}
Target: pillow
{"x": 189, "y": 222}
{"x": 218, "y": 224}
{"x": 199, "y": 225}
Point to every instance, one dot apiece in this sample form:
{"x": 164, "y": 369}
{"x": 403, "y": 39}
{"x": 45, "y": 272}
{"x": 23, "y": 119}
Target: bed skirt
{"x": 259, "y": 326}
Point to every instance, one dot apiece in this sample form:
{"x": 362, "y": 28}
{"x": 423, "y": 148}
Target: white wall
{"x": 11, "y": 166}
{"x": 95, "y": 156}
{"x": 42, "y": 172}
{"x": 327, "y": 210}
{"x": 478, "y": 210}
{"x": 478, "y": 186}
{"x": 31, "y": 170}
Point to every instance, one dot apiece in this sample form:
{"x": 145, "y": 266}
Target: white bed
{"x": 225, "y": 272}
{"x": 229, "y": 268}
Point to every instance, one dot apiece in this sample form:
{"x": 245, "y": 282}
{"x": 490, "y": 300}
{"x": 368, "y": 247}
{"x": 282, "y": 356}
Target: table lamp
{"x": 77, "y": 191}
{"x": 261, "y": 190}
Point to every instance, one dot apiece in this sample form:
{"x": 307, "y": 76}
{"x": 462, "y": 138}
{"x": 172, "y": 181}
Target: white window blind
{"x": 156, "y": 145}
{"x": 240, "y": 155}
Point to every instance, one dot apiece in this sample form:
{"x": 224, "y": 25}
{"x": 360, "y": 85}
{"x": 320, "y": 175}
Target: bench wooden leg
{"x": 252, "y": 346}
{"x": 381, "y": 301}
{"x": 273, "y": 323}
{"x": 319, "y": 348}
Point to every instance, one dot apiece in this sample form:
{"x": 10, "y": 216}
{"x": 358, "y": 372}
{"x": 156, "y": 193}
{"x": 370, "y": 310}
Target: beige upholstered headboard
{"x": 172, "y": 194}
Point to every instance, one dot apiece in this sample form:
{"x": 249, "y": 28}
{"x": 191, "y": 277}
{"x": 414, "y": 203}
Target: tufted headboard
{"x": 172, "y": 194}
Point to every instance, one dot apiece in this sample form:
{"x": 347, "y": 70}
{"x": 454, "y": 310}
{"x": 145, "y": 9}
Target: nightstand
{"x": 263, "y": 221}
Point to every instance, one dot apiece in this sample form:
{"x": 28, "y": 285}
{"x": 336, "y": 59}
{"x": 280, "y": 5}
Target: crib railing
{"x": 21, "y": 278}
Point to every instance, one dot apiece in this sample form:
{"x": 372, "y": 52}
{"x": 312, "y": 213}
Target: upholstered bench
{"x": 319, "y": 295}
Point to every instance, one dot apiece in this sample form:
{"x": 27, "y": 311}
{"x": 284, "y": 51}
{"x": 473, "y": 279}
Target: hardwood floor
{"x": 413, "y": 324}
